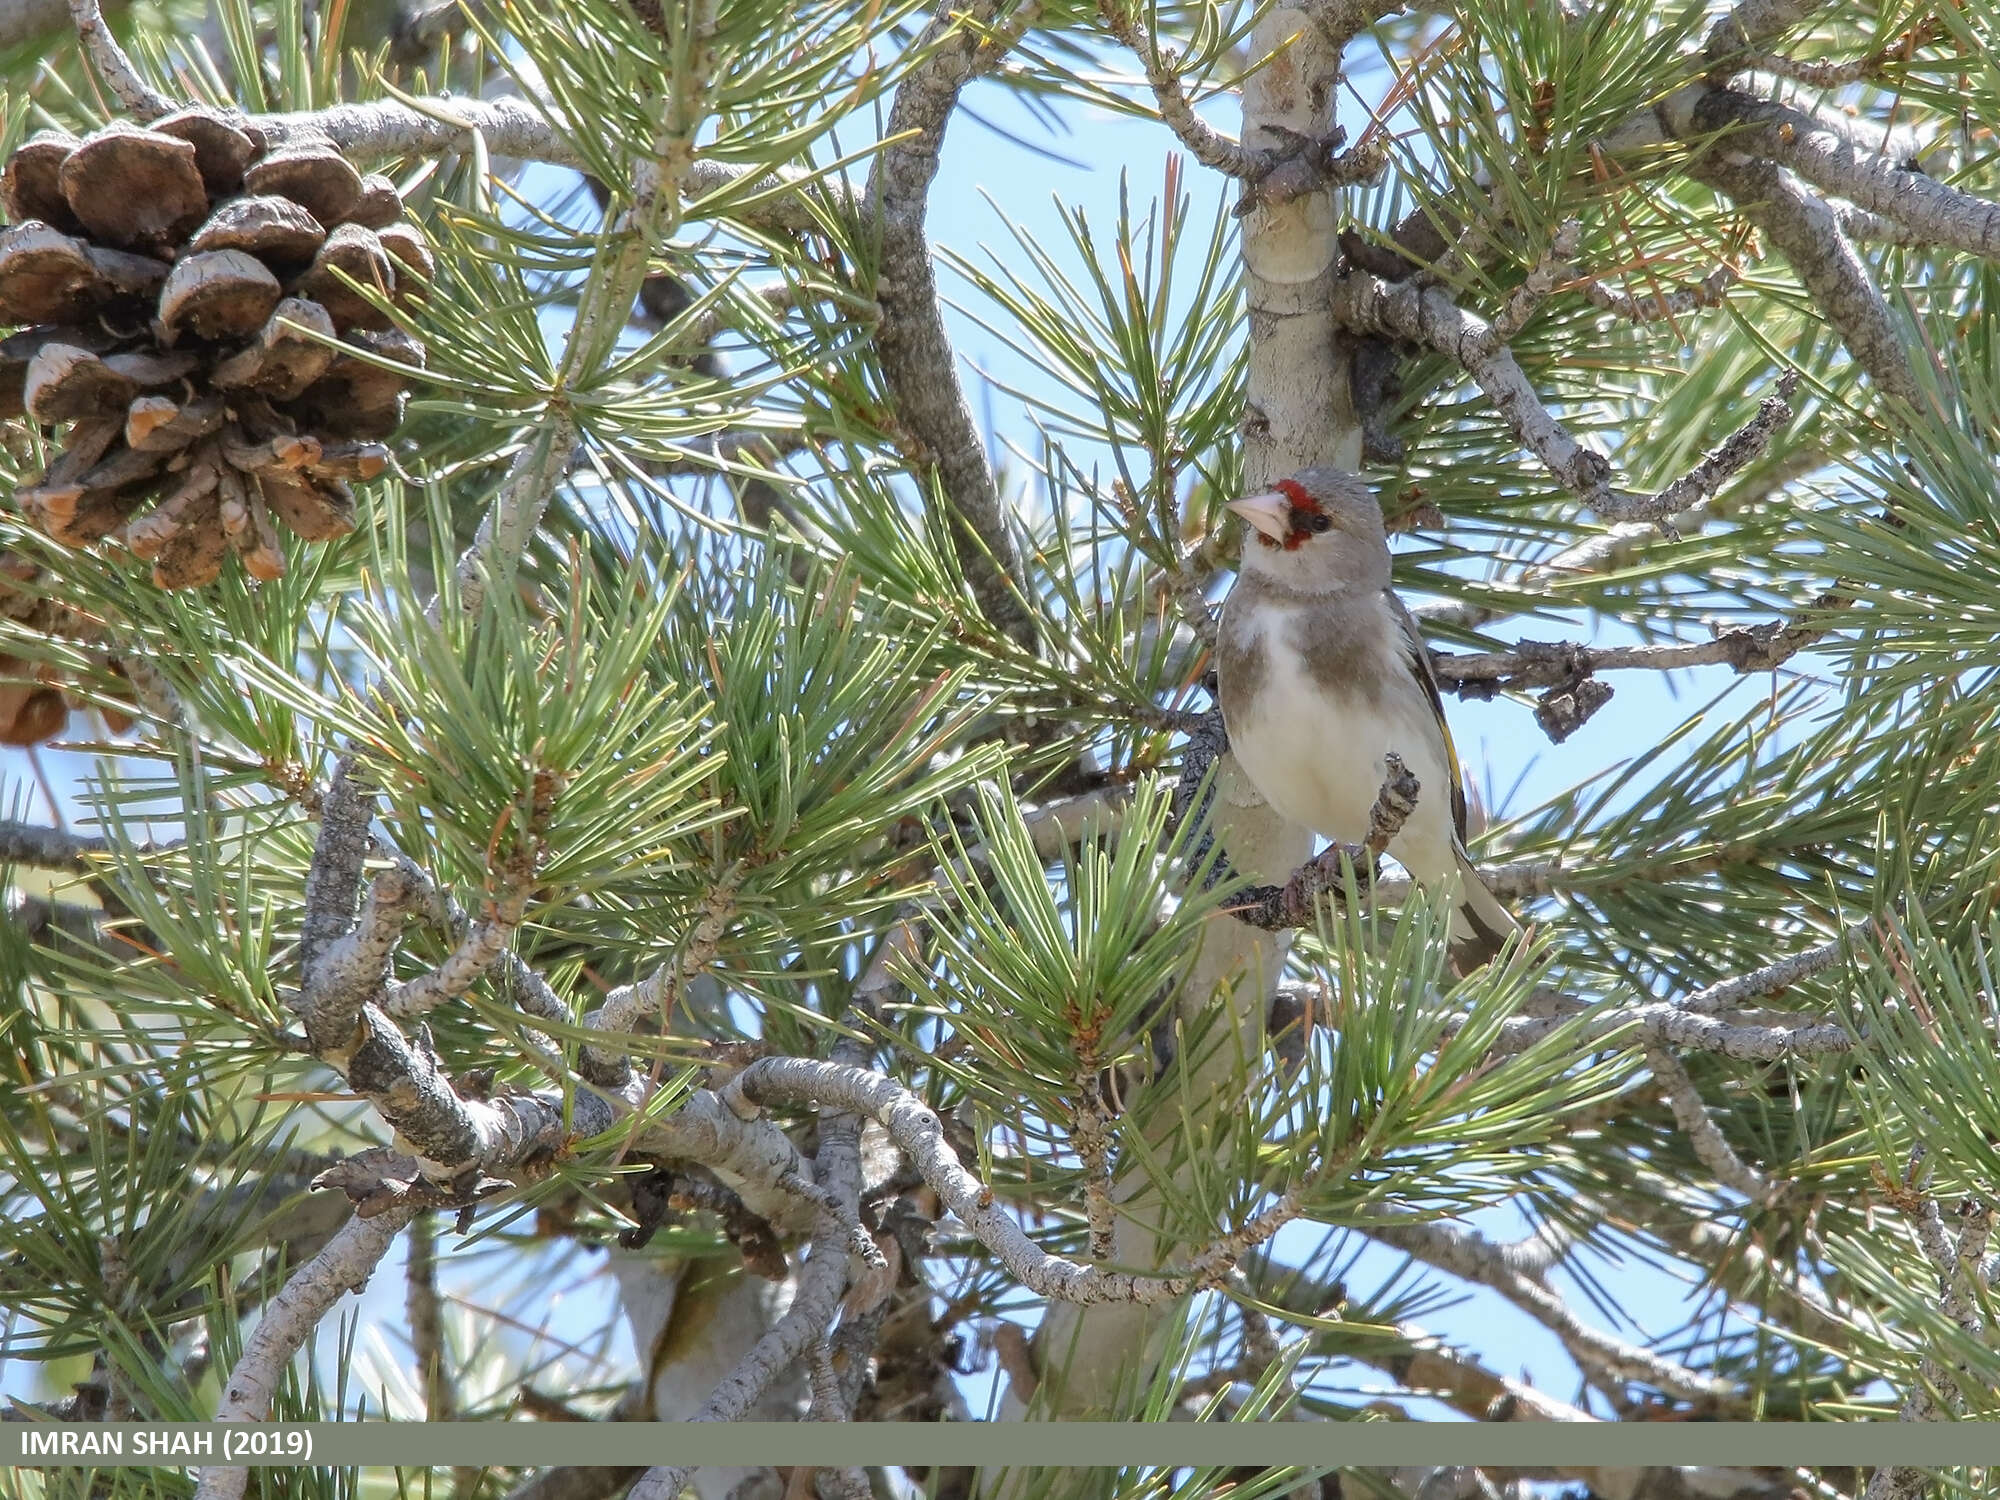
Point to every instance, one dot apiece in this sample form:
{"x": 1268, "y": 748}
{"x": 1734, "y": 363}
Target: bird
{"x": 1322, "y": 673}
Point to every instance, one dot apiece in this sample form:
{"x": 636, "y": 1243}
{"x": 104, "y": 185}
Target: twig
{"x": 474, "y": 956}
{"x": 820, "y": 1284}
{"x": 917, "y": 359}
{"x": 775, "y": 297}
{"x": 1776, "y": 977}
{"x": 353, "y": 969}
{"x": 424, "y": 1312}
{"x": 113, "y": 66}
{"x": 341, "y": 963}
{"x": 1426, "y": 315}
{"x": 1529, "y": 664}
{"x": 1805, "y": 232}
{"x": 1427, "y": 1364}
{"x": 526, "y": 988}
{"x": 1732, "y": 455}
{"x": 383, "y": 129}
{"x": 1090, "y": 1134}
{"x": 1616, "y": 547}
{"x": 1204, "y": 142}
{"x": 658, "y": 992}
{"x": 1958, "y": 1261}
{"x": 45, "y": 848}
{"x": 1734, "y": 1261}
{"x": 601, "y": 315}
{"x": 1691, "y": 1021}
{"x": 915, "y": 1127}
{"x": 344, "y": 974}
{"x": 1662, "y": 306}
{"x": 1710, "y": 1145}
{"x": 1673, "y": 1025}
{"x": 1296, "y": 903}
{"x": 289, "y": 1319}
{"x": 1472, "y": 1257}
{"x": 1825, "y": 156}
{"x": 518, "y": 506}
{"x": 1540, "y": 282}
{"x": 744, "y": 450}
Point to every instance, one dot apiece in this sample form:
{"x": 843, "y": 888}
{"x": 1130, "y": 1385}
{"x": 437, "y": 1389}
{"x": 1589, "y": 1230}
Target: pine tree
{"x": 675, "y": 809}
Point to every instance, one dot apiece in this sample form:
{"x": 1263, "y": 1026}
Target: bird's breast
{"x": 1311, "y": 734}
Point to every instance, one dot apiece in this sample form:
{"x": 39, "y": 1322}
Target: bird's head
{"x": 1321, "y": 528}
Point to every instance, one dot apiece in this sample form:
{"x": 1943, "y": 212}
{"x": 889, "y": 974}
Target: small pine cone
{"x": 185, "y": 288}
{"x": 33, "y": 703}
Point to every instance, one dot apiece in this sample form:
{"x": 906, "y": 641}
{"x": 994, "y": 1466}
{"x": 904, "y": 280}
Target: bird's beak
{"x": 1270, "y": 513}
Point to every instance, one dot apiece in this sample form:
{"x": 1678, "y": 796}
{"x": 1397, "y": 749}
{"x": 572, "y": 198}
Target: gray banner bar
{"x": 985, "y": 1445}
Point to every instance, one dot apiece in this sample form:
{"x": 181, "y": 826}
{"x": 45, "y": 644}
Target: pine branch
{"x": 518, "y": 506}
{"x": 1616, "y": 547}
{"x": 1958, "y": 1261}
{"x": 345, "y": 1265}
{"x": 333, "y": 880}
{"x": 1749, "y": 22}
{"x": 917, "y": 359}
{"x": 1829, "y": 159}
{"x": 1419, "y": 311}
{"x": 1426, "y": 1363}
{"x": 1532, "y": 664}
{"x": 1540, "y": 282}
{"x": 1429, "y": 1365}
{"x": 1204, "y": 142}
{"x": 1296, "y": 903}
{"x": 113, "y": 66}
{"x": 1735, "y": 453}
{"x": 915, "y": 1127}
{"x": 423, "y": 1310}
{"x": 344, "y": 979}
{"x": 816, "y": 1298}
{"x": 1691, "y": 1022}
{"x": 386, "y": 129}
{"x": 1711, "y": 1147}
{"x": 1775, "y": 1289}
{"x": 656, "y": 994}
{"x": 1423, "y": 313}
{"x": 1806, "y": 233}
{"x": 1665, "y": 305}
{"x": 1470, "y": 1256}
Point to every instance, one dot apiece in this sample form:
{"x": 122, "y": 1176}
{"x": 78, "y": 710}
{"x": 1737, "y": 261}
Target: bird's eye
{"x": 1317, "y": 522}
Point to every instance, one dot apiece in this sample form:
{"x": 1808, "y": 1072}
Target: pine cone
{"x": 171, "y": 276}
{"x": 33, "y": 705}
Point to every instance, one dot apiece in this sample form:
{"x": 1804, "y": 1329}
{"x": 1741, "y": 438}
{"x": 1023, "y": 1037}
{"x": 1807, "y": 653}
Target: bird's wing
{"x": 1419, "y": 657}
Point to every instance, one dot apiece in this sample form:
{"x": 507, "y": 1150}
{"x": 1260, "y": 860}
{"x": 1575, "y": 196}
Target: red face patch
{"x": 1308, "y": 518}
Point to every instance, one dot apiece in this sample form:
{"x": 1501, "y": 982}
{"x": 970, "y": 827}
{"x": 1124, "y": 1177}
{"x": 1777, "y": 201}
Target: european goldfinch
{"x": 1322, "y": 673}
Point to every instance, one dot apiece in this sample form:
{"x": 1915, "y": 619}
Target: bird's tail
{"x": 1480, "y": 926}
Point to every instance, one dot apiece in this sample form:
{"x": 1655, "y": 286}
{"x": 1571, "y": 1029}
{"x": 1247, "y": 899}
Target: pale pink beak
{"x": 1270, "y": 513}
